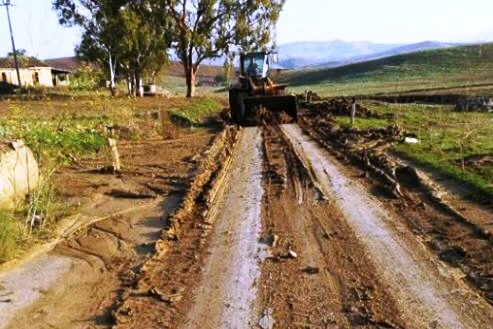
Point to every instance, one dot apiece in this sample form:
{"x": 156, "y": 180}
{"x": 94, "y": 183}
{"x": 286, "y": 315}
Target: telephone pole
{"x": 6, "y": 4}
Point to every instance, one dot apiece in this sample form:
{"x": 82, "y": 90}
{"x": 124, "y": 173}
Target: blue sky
{"x": 37, "y": 30}
{"x": 388, "y": 21}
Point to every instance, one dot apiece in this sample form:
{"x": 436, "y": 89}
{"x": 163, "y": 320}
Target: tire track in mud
{"x": 227, "y": 293}
{"x": 426, "y": 291}
{"x": 204, "y": 273}
{"x": 100, "y": 259}
{"x": 325, "y": 286}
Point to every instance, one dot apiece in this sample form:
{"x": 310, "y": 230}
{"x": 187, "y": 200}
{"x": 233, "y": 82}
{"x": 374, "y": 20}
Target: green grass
{"x": 195, "y": 113}
{"x": 362, "y": 123}
{"x": 459, "y": 69}
{"x": 446, "y": 138}
{"x": 479, "y": 180}
{"x": 57, "y": 139}
{"x": 177, "y": 86}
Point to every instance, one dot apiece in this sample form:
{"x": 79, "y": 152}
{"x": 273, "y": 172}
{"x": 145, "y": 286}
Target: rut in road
{"x": 426, "y": 292}
{"x": 227, "y": 293}
{"x": 331, "y": 283}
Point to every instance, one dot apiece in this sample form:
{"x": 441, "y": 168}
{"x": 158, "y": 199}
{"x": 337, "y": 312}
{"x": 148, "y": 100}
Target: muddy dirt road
{"x": 273, "y": 232}
{"x": 426, "y": 292}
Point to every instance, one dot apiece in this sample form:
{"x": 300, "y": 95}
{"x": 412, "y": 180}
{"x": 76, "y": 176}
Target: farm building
{"x": 33, "y": 72}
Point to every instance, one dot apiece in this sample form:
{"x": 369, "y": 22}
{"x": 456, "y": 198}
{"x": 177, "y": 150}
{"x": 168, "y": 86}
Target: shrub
{"x": 85, "y": 78}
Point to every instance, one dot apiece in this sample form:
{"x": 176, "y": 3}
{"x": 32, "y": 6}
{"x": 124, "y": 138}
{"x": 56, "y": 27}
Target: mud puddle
{"x": 426, "y": 291}
{"x": 226, "y": 297}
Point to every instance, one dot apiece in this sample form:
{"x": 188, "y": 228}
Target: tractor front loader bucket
{"x": 270, "y": 109}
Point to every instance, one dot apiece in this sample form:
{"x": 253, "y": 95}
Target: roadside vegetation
{"x": 66, "y": 131}
{"x": 457, "y": 144}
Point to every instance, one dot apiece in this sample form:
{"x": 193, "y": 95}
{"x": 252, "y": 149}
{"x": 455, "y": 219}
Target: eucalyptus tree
{"x": 128, "y": 38}
{"x": 206, "y": 29}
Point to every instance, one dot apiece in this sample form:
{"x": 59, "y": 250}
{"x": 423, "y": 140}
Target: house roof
{"x": 24, "y": 62}
{"x": 65, "y": 63}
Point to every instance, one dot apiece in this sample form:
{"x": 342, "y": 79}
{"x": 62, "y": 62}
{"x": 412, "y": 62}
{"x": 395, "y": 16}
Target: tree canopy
{"x": 135, "y": 36}
{"x": 128, "y": 38}
{"x": 204, "y": 29}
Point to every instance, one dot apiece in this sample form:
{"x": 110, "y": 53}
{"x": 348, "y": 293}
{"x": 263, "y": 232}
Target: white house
{"x": 33, "y": 72}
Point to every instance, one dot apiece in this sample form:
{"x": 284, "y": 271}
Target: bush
{"x": 85, "y": 78}
{"x": 57, "y": 141}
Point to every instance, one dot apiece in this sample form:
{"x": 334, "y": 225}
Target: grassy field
{"x": 453, "y": 143}
{"x": 62, "y": 132}
{"x": 464, "y": 70}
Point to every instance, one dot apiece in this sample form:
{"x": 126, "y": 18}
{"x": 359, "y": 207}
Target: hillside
{"x": 299, "y": 54}
{"x": 450, "y": 68}
{"x": 338, "y": 53}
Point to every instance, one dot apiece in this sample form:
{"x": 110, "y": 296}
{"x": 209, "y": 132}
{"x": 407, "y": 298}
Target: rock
{"x": 292, "y": 254}
{"x": 19, "y": 173}
{"x": 267, "y": 322}
{"x": 270, "y": 239}
{"x": 175, "y": 297}
{"x": 411, "y": 140}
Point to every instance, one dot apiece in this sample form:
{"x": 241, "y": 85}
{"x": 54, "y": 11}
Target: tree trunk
{"x": 190, "y": 75}
{"x": 134, "y": 84}
{"x": 129, "y": 85}
{"x": 139, "y": 88}
{"x": 112, "y": 75}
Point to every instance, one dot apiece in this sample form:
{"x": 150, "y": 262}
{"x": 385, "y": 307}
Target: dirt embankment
{"x": 445, "y": 99}
{"x": 162, "y": 292}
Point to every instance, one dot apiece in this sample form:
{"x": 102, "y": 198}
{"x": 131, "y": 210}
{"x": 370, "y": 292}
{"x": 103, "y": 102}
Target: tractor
{"x": 255, "y": 90}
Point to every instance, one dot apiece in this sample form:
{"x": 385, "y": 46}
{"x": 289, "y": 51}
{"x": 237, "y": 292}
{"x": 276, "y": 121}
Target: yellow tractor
{"x": 255, "y": 90}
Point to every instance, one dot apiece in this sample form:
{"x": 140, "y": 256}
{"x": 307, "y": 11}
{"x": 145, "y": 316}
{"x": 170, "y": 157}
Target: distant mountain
{"x": 299, "y": 54}
{"x": 337, "y": 53}
{"x": 407, "y": 49}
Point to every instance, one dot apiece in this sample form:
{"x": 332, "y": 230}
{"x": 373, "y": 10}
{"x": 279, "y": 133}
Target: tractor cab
{"x": 254, "y": 65}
